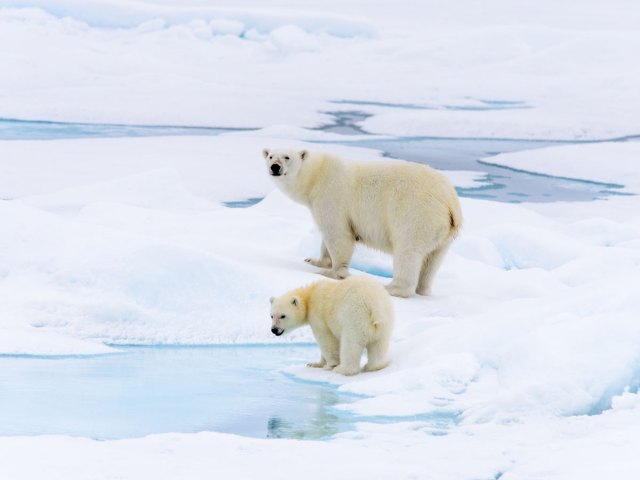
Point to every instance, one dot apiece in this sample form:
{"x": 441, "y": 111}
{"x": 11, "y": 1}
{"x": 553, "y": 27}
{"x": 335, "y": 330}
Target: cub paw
{"x": 375, "y": 367}
{"x": 344, "y": 370}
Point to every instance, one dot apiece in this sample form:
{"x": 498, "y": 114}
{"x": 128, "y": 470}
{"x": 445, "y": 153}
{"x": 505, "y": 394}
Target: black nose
{"x": 277, "y": 331}
{"x": 275, "y": 169}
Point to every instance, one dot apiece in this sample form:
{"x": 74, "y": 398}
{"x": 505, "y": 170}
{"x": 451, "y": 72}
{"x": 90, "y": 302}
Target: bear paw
{"x": 398, "y": 292}
{"x": 372, "y": 367}
{"x": 315, "y": 364}
{"x": 336, "y": 274}
{"x": 423, "y": 290}
{"x": 318, "y": 262}
{"x": 345, "y": 370}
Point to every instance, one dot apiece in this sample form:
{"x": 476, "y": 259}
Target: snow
{"x": 562, "y": 70}
{"x": 524, "y": 363}
{"x": 532, "y": 325}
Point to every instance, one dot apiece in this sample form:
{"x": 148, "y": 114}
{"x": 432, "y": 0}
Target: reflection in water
{"x": 321, "y": 424}
{"x": 146, "y": 390}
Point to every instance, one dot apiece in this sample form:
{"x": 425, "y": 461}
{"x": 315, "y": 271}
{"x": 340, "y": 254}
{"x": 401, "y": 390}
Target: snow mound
{"x": 206, "y": 20}
{"x": 99, "y": 283}
{"x": 160, "y": 189}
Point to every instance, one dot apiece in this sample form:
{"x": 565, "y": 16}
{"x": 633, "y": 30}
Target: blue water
{"x": 498, "y": 183}
{"x": 502, "y": 184}
{"x": 146, "y": 390}
{"x": 11, "y": 129}
{"x": 242, "y": 203}
{"x": 474, "y": 105}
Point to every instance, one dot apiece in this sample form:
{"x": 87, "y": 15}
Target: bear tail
{"x": 455, "y": 221}
{"x": 374, "y": 323}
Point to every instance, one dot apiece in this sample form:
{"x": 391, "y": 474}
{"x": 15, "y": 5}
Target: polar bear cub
{"x": 406, "y": 209}
{"x": 345, "y": 317}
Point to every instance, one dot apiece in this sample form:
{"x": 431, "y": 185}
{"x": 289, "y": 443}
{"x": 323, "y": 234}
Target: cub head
{"x": 281, "y": 163}
{"x": 287, "y": 314}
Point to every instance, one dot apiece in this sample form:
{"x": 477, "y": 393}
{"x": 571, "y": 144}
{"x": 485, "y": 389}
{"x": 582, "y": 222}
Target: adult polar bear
{"x": 408, "y": 210}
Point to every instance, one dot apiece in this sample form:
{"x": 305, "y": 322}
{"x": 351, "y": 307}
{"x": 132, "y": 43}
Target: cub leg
{"x": 319, "y": 364}
{"x": 350, "y": 353}
{"x": 329, "y": 349}
{"x": 377, "y": 355}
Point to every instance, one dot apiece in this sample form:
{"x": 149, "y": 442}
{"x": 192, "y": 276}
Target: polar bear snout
{"x": 276, "y": 169}
{"x": 277, "y": 331}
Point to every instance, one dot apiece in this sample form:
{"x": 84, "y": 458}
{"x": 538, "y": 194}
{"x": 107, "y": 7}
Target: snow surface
{"x": 565, "y": 70}
{"x": 531, "y": 335}
{"x": 525, "y": 364}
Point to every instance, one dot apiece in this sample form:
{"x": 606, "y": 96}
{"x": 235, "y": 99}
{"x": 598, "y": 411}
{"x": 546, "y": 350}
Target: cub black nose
{"x": 274, "y": 330}
{"x": 275, "y": 169}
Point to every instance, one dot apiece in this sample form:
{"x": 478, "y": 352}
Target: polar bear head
{"x": 287, "y": 313}
{"x": 281, "y": 163}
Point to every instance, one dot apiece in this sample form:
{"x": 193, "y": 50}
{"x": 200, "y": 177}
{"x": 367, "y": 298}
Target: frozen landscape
{"x": 140, "y": 238}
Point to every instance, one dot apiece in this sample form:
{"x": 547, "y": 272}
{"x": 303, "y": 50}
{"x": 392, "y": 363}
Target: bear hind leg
{"x": 406, "y": 271}
{"x": 430, "y": 266}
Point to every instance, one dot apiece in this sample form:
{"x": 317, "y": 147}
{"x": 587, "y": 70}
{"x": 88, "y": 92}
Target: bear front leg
{"x": 350, "y": 353}
{"x": 340, "y": 246}
{"x": 324, "y": 261}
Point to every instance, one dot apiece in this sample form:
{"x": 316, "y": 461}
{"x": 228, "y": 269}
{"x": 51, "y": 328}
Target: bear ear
{"x": 295, "y": 301}
{"x": 265, "y": 152}
{"x": 303, "y": 154}
{"x": 271, "y": 299}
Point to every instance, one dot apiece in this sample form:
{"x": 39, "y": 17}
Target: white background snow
{"x": 531, "y": 343}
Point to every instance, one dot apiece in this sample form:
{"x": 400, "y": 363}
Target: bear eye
{"x": 271, "y": 317}
{"x": 270, "y": 157}
{"x": 286, "y": 158}
{"x": 282, "y": 316}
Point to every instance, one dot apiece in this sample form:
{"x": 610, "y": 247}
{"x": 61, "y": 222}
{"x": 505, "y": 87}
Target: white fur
{"x": 346, "y": 318}
{"x": 406, "y": 209}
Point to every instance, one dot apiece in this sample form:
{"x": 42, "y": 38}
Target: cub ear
{"x": 265, "y": 152}
{"x": 271, "y": 299}
{"x": 295, "y": 301}
{"x": 303, "y": 154}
